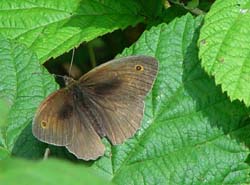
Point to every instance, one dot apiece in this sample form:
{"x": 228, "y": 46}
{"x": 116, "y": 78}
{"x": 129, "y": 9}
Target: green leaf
{"x": 224, "y": 47}
{"x": 50, "y": 28}
{"x": 23, "y": 86}
{"x": 47, "y": 172}
{"x": 191, "y": 132}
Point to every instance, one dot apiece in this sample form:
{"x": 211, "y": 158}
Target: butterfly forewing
{"x": 52, "y": 123}
{"x": 62, "y": 120}
{"x": 130, "y": 76}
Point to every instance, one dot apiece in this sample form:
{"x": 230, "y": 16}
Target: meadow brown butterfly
{"x": 107, "y": 102}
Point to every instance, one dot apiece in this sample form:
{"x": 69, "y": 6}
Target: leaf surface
{"x": 224, "y": 47}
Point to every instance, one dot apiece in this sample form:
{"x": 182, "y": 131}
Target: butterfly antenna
{"x": 60, "y": 76}
{"x": 71, "y": 62}
{"x": 54, "y": 75}
{"x": 65, "y": 78}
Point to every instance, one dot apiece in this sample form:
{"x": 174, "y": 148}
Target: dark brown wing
{"x": 61, "y": 121}
{"x": 53, "y": 120}
{"x": 129, "y": 76}
{"x": 117, "y": 90}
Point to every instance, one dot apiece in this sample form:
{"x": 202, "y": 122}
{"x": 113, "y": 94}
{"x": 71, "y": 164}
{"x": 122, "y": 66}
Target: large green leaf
{"x": 49, "y": 172}
{"x": 51, "y": 28}
{"x": 191, "y": 133}
{"x": 224, "y": 47}
{"x": 23, "y": 86}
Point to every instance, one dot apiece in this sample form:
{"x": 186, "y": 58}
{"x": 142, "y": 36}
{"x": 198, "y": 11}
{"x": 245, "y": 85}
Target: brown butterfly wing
{"x": 86, "y": 143}
{"x": 50, "y": 124}
{"x": 117, "y": 90}
{"x": 119, "y": 121}
{"x": 61, "y": 121}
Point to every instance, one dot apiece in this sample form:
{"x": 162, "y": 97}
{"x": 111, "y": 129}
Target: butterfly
{"x": 108, "y": 101}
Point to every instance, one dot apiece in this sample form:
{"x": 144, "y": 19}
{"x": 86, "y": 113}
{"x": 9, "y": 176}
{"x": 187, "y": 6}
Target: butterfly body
{"x": 107, "y": 102}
